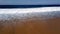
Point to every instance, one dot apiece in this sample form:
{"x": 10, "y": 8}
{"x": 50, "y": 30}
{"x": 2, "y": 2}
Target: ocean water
{"x": 39, "y": 21}
{"x": 36, "y": 13}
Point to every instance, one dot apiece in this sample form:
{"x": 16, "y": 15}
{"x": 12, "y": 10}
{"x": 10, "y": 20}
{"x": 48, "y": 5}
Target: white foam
{"x": 29, "y": 10}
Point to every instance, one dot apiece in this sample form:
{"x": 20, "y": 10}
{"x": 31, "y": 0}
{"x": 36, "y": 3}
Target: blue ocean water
{"x": 29, "y": 2}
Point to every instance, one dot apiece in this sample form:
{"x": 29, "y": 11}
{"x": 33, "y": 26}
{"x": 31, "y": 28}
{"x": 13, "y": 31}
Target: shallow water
{"x": 38, "y": 21}
{"x": 30, "y": 23}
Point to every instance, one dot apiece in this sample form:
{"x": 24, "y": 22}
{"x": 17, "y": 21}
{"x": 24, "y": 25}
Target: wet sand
{"x": 31, "y": 25}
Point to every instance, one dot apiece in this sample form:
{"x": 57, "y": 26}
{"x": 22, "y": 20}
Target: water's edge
{"x": 35, "y": 15}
